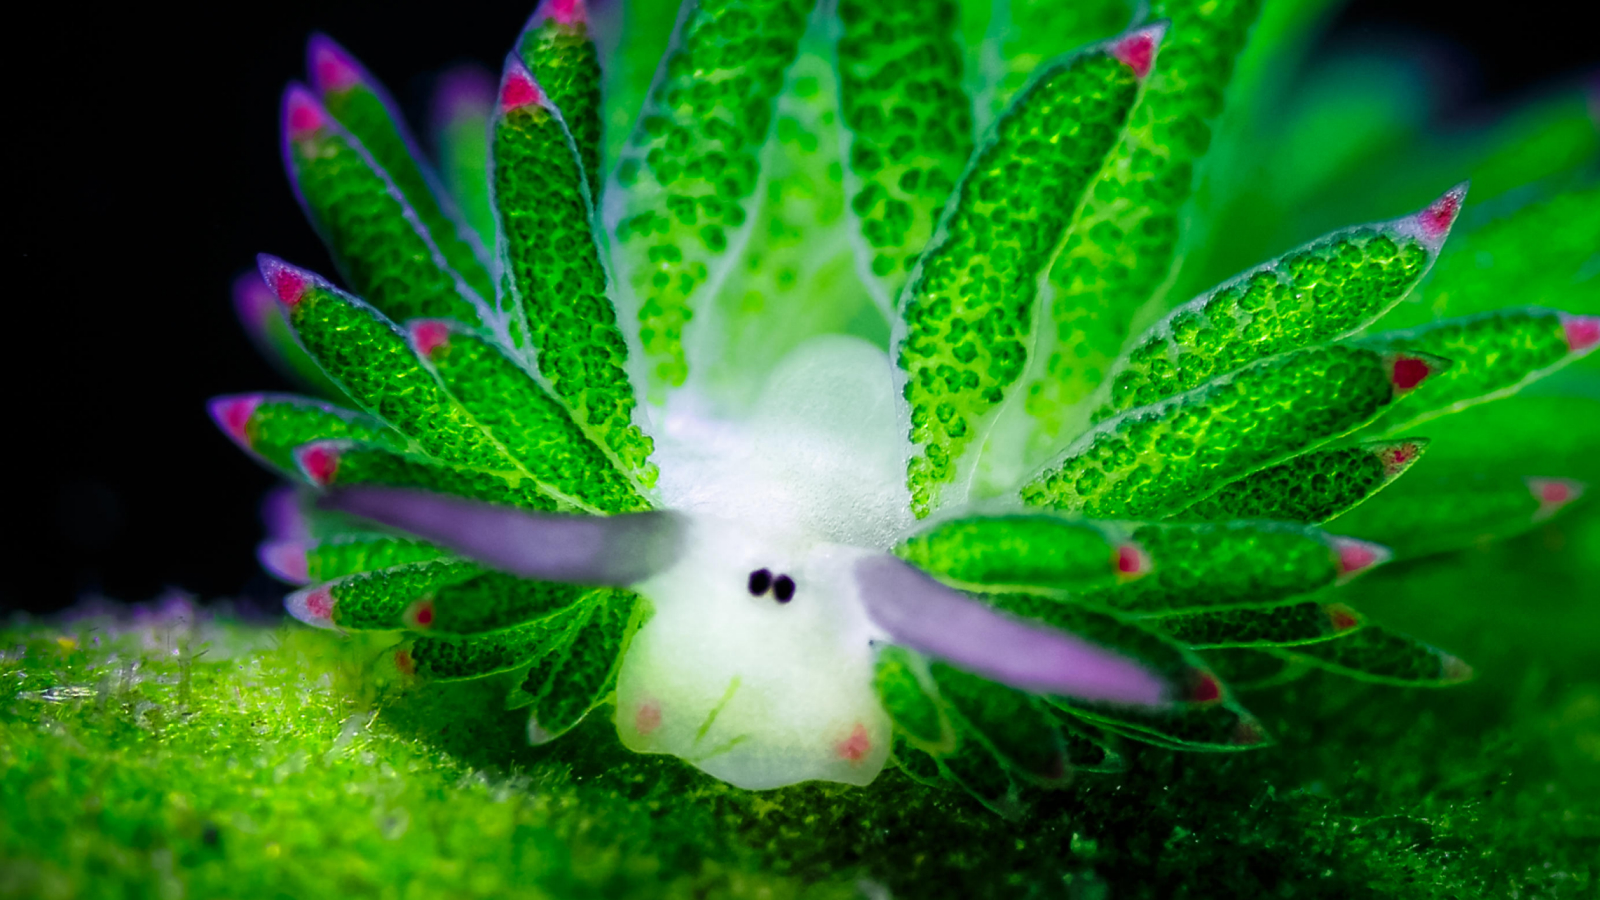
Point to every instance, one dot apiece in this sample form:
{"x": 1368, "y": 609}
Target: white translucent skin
{"x": 756, "y": 692}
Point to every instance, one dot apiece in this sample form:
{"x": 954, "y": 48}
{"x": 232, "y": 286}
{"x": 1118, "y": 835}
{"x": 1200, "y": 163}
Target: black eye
{"x": 783, "y": 589}
{"x": 760, "y": 580}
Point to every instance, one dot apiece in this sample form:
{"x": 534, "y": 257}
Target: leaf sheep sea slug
{"x": 831, "y": 419}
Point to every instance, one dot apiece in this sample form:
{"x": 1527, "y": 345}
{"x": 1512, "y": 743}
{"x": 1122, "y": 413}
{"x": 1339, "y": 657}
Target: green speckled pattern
{"x": 910, "y": 125}
{"x": 373, "y": 362}
{"x": 366, "y": 464}
{"x": 1215, "y": 726}
{"x": 693, "y": 164}
{"x": 558, "y": 284}
{"x": 1214, "y": 565}
{"x": 916, "y": 764}
{"x": 370, "y": 120}
{"x": 533, "y": 427}
{"x": 375, "y": 238}
{"x": 1280, "y": 626}
{"x": 451, "y": 658}
{"x": 1039, "y": 551}
{"x": 380, "y": 599}
{"x": 900, "y": 687}
{"x": 1015, "y": 726}
{"x": 1380, "y": 655}
{"x": 1156, "y": 460}
{"x": 496, "y": 600}
{"x": 968, "y": 310}
{"x": 280, "y": 423}
{"x": 352, "y": 553}
{"x": 566, "y": 65}
{"x": 975, "y": 768}
{"x": 1495, "y": 354}
{"x": 1120, "y": 249}
{"x": 1022, "y": 35}
{"x": 1324, "y": 290}
{"x": 573, "y": 678}
{"x": 1313, "y": 487}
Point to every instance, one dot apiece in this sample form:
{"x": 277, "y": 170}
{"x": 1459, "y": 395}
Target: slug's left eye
{"x": 783, "y": 588}
{"x": 760, "y": 580}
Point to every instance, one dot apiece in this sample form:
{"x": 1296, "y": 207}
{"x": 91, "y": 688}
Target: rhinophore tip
{"x": 332, "y": 67}
{"x": 1137, "y": 49}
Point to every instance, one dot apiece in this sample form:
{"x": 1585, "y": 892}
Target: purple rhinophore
{"x": 930, "y": 618}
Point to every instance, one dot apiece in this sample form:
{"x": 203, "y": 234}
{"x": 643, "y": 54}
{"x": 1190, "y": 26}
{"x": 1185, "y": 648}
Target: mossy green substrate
{"x": 136, "y": 765}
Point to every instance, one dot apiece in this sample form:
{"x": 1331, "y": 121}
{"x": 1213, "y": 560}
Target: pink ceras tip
{"x": 289, "y": 283}
{"x": 303, "y": 116}
{"x": 1435, "y": 221}
{"x": 429, "y": 335}
{"x": 565, "y": 12}
{"x": 1582, "y": 332}
{"x": 1553, "y": 494}
{"x": 1341, "y": 617}
{"x": 1355, "y": 557}
{"x": 1132, "y": 561}
{"x": 1137, "y": 51}
{"x": 1396, "y": 457}
{"x": 313, "y": 606}
{"x": 320, "y": 462}
{"x": 333, "y": 69}
{"x": 1409, "y": 371}
{"x": 285, "y": 560}
{"x": 233, "y": 415}
{"x": 1206, "y": 688}
{"x": 519, "y": 90}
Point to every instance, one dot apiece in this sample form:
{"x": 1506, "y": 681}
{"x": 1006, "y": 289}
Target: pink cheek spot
{"x": 648, "y": 718}
{"x": 1582, "y": 332}
{"x": 855, "y": 747}
{"x": 320, "y": 462}
{"x": 233, "y": 414}
{"x": 1207, "y": 689}
{"x": 1137, "y": 51}
{"x": 331, "y": 67}
{"x": 302, "y": 115}
{"x": 429, "y": 336}
{"x": 519, "y": 90}
{"x": 1342, "y": 617}
{"x": 1132, "y": 562}
{"x": 1436, "y": 220}
{"x": 1408, "y": 372}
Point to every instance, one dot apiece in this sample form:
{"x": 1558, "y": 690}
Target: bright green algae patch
{"x": 564, "y": 61}
{"x": 261, "y": 773}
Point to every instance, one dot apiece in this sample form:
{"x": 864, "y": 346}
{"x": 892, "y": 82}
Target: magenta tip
{"x": 565, "y": 12}
{"x": 333, "y": 69}
{"x": 313, "y": 606}
{"x": 1553, "y": 494}
{"x": 429, "y": 335}
{"x": 1434, "y": 222}
{"x": 1408, "y": 372}
{"x": 1354, "y": 557}
{"x": 1397, "y": 457}
{"x": 303, "y": 116}
{"x": 1137, "y": 49}
{"x": 518, "y": 89}
{"x": 1132, "y": 562}
{"x": 319, "y": 461}
{"x": 284, "y": 560}
{"x": 288, "y": 282}
{"x": 1582, "y": 332}
{"x": 232, "y": 415}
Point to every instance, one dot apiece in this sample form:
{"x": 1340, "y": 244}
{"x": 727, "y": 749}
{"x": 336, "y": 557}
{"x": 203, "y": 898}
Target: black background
{"x": 149, "y": 177}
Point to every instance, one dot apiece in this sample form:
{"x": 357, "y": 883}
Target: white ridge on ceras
{"x": 757, "y": 691}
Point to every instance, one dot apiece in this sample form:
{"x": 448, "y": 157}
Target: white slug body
{"x": 754, "y": 689}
